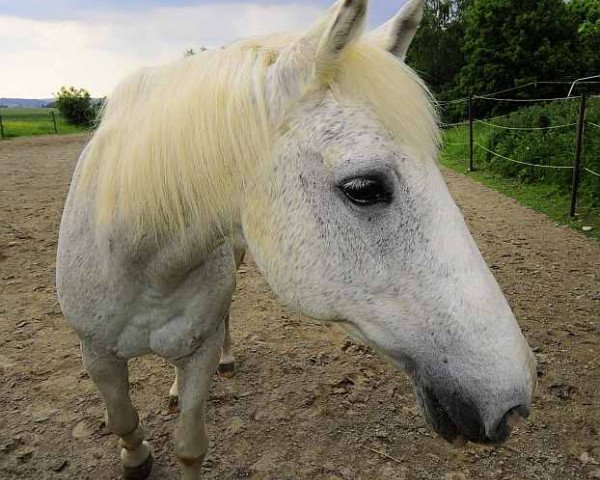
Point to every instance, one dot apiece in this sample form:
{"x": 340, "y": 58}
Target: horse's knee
{"x": 191, "y": 439}
{"x": 190, "y": 453}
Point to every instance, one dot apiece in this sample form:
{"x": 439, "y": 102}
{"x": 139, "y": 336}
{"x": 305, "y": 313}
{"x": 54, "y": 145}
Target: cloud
{"x": 38, "y": 56}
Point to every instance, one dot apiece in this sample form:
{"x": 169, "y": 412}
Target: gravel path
{"x": 306, "y": 403}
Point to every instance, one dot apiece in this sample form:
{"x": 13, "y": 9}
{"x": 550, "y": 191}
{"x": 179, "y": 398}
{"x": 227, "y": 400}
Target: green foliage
{"x": 539, "y": 147}
{"x": 436, "y": 50}
{"x": 190, "y": 52}
{"x": 512, "y": 42}
{"x": 76, "y": 106}
{"x": 474, "y": 47}
{"x": 586, "y": 14}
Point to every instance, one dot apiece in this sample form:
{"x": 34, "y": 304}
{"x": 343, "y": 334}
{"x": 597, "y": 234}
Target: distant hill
{"x": 25, "y": 102}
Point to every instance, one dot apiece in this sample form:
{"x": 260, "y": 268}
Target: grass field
{"x": 542, "y": 197}
{"x": 19, "y": 122}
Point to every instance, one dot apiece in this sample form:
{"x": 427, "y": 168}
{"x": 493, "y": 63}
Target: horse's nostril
{"x": 511, "y": 418}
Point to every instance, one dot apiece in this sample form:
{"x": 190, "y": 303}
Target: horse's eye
{"x": 365, "y": 191}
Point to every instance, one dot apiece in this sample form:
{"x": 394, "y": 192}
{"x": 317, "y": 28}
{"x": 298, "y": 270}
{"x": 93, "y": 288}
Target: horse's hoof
{"x": 140, "y": 472}
{"x": 173, "y": 404}
{"x": 227, "y": 370}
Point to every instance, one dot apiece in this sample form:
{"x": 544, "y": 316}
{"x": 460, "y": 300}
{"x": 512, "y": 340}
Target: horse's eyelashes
{"x": 365, "y": 191}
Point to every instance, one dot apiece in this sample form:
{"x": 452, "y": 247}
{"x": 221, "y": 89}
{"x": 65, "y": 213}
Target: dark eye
{"x": 365, "y": 191}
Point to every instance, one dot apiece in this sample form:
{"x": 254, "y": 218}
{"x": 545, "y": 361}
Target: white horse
{"x": 317, "y": 152}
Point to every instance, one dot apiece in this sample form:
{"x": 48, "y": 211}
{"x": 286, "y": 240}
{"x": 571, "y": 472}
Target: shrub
{"x": 76, "y": 106}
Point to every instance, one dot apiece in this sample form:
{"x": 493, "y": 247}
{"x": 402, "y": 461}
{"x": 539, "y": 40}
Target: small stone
{"x": 25, "y": 454}
{"x": 43, "y": 415}
{"x": 235, "y": 426}
{"x": 594, "y": 473}
{"x": 584, "y": 458}
{"x": 347, "y": 474}
{"x": 59, "y": 465}
{"x": 587, "y": 229}
{"x": 81, "y": 430}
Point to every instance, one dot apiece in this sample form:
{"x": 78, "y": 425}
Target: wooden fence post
{"x": 471, "y": 167}
{"x": 578, "y": 152}
{"x": 1, "y": 128}
{"x": 54, "y": 121}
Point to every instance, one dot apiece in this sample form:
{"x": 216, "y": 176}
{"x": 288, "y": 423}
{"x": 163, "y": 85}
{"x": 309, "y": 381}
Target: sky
{"x": 93, "y": 44}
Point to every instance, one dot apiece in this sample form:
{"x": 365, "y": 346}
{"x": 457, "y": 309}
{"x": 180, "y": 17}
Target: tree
{"x": 586, "y": 14}
{"x": 436, "y": 52}
{"x": 76, "y": 106}
{"x": 510, "y": 42}
{"x": 189, "y": 52}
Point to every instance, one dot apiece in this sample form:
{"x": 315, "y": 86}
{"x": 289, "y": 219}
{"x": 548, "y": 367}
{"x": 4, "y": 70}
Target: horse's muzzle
{"x": 459, "y": 421}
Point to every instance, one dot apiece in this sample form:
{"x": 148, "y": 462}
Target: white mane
{"x": 176, "y": 142}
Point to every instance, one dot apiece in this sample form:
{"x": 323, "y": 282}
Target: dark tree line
{"x": 478, "y": 46}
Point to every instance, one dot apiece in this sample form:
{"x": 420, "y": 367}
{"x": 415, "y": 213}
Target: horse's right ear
{"x": 313, "y": 59}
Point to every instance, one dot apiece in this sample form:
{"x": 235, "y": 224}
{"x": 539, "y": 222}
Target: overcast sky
{"x": 93, "y": 44}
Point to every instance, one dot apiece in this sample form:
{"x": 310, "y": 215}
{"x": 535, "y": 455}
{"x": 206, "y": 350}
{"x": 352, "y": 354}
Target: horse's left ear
{"x": 397, "y": 34}
{"x": 312, "y": 61}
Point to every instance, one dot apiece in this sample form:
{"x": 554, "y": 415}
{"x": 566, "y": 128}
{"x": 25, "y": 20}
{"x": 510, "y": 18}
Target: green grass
{"x": 20, "y": 122}
{"x": 542, "y": 197}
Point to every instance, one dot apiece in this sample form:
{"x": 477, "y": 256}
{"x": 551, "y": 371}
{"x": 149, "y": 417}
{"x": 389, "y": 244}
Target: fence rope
{"x": 449, "y": 102}
{"x": 519, "y": 87}
{"x": 456, "y": 143}
{"x": 593, "y": 124}
{"x": 520, "y": 100}
{"x": 520, "y": 162}
{"x": 591, "y": 171}
{"x": 526, "y": 128}
{"x": 446, "y": 125}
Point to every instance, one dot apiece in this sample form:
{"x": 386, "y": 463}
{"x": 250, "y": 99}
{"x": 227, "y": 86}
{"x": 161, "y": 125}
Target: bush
{"x": 76, "y": 106}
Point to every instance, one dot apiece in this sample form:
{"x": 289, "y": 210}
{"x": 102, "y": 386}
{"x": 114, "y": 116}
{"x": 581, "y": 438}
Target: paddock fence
{"x": 558, "y": 141}
{"x": 15, "y": 122}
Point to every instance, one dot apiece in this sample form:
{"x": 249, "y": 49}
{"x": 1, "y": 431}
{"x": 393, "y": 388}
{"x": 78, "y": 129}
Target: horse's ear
{"x": 312, "y": 60}
{"x": 397, "y": 34}
{"x": 319, "y": 48}
{"x": 342, "y": 28}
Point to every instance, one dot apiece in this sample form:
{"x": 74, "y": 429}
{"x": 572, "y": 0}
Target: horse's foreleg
{"x": 111, "y": 376}
{"x": 194, "y": 375}
{"x": 226, "y": 366}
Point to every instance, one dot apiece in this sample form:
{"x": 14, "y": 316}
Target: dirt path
{"x": 306, "y": 403}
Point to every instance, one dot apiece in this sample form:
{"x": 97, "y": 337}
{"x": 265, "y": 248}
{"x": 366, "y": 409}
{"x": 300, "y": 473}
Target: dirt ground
{"x": 306, "y": 403}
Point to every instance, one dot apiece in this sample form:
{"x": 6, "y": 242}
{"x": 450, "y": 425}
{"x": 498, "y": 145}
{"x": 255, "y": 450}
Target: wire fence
{"x": 504, "y": 127}
{"x": 558, "y": 167}
{"x": 15, "y": 122}
{"x": 494, "y": 95}
{"x": 495, "y": 123}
